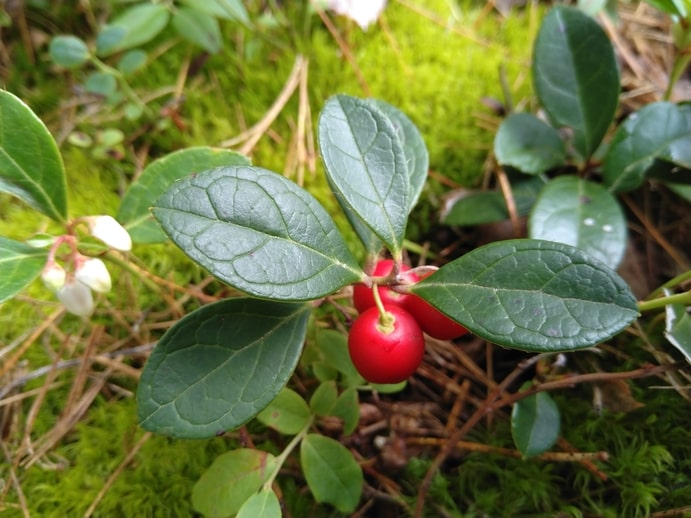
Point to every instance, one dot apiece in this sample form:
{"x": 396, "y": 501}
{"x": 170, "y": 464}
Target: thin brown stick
{"x": 506, "y": 191}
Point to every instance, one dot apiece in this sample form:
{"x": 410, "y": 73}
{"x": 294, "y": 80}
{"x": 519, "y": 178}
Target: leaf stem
{"x": 678, "y": 298}
{"x": 280, "y": 460}
{"x": 672, "y": 283}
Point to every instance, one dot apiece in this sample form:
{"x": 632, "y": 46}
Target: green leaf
{"x": 20, "y": 264}
{"x": 528, "y": 144}
{"x": 535, "y": 423}
{"x": 576, "y": 76}
{"x": 219, "y": 366}
{"x": 264, "y": 504}
{"x": 68, "y": 51}
{"x": 288, "y": 413}
{"x": 259, "y": 232}
{"x": 583, "y": 214}
{"x": 132, "y": 61}
{"x": 101, "y": 83}
{"x": 199, "y": 28}
{"x": 159, "y": 176}
{"x": 367, "y": 169}
{"x": 678, "y": 327}
{"x": 657, "y": 131}
{"x": 334, "y": 346}
{"x": 324, "y": 398}
{"x": 137, "y": 25}
{"x": 532, "y": 295}
{"x": 232, "y": 479}
{"x": 332, "y": 473}
{"x": 347, "y": 407}
{"x": 31, "y": 167}
{"x": 226, "y": 9}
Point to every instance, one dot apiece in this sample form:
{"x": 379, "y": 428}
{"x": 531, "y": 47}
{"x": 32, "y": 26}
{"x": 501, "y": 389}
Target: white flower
{"x": 363, "y": 12}
{"x": 53, "y": 276}
{"x": 77, "y": 298}
{"x": 110, "y": 232}
{"x": 93, "y": 273}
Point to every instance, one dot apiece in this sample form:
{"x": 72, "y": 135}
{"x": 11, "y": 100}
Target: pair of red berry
{"x": 388, "y": 348}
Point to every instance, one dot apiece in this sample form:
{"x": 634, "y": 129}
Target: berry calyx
{"x": 363, "y": 298}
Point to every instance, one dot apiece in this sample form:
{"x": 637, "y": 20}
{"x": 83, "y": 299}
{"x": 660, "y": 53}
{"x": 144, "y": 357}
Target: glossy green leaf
{"x": 68, "y": 51}
{"x": 219, "y": 366}
{"x": 232, "y": 479}
{"x": 20, "y": 264}
{"x": 535, "y": 424}
{"x": 576, "y": 76}
{"x": 657, "y": 131}
{"x": 525, "y": 142}
{"x": 678, "y": 327}
{"x": 332, "y": 473}
{"x": 288, "y": 413}
{"x": 160, "y": 175}
{"x": 199, "y": 28}
{"x": 264, "y": 504}
{"x": 135, "y": 26}
{"x": 31, "y": 167}
{"x": 226, "y": 9}
{"x": 367, "y": 168}
{"x": 532, "y": 295}
{"x": 583, "y": 214}
{"x": 259, "y": 232}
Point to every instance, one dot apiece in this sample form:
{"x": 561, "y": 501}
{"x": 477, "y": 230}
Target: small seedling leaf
{"x": 583, "y": 214}
{"x": 198, "y": 27}
{"x": 332, "y": 473}
{"x": 31, "y": 167}
{"x": 535, "y": 424}
{"x": 219, "y": 366}
{"x": 259, "y": 232}
{"x": 334, "y": 346}
{"x": 68, "y": 51}
{"x": 288, "y": 413}
{"x": 528, "y": 144}
{"x": 20, "y": 264}
{"x": 160, "y": 175}
{"x": 135, "y": 26}
{"x": 264, "y": 504}
{"x": 678, "y": 328}
{"x": 324, "y": 398}
{"x": 576, "y": 76}
{"x": 657, "y": 131}
{"x": 232, "y": 479}
{"x": 225, "y": 9}
{"x": 532, "y": 295}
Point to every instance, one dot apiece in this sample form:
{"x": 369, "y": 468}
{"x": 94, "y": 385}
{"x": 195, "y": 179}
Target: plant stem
{"x": 386, "y": 319}
{"x": 280, "y": 460}
{"x": 678, "y": 298}
{"x": 672, "y": 283}
{"x": 680, "y": 62}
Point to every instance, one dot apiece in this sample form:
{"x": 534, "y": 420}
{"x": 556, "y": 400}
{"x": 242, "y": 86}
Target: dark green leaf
{"x": 259, "y": 232}
{"x": 288, "y": 413}
{"x": 31, "y": 167}
{"x": 535, "y": 424}
{"x": 576, "y": 76}
{"x": 532, "y": 295}
{"x": 583, "y": 214}
{"x": 219, "y": 366}
{"x": 261, "y": 505}
{"x": 232, "y": 479}
{"x": 68, "y": 51}
{"x": 528, "y": 144}
{"x": 332, "y": 473}
{"x": 367, "y": 168}
{"x": 678, "y": 328}
{"x": 137, "y": 25}
{"x": 20, "y": 264}
{"x": 199, "y": 28}
{"x": 157, "y": 177}
{"x": 657, "y": 131}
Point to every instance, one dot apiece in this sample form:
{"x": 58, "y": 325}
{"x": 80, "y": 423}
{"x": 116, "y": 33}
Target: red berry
{"x": 432, "y": 321}
{"x": 363, "y": 298}
{"x": 382, "y": 357}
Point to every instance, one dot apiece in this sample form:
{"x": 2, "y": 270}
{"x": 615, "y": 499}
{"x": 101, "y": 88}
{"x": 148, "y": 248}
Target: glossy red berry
{"x": 382, "y": 357}
{"x": 363, "y": 298}
{"x": 432, "y": 321}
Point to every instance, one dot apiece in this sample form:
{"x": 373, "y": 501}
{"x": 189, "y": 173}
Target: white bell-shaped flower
{"x": 363, "y": 12}
{"x": 108, "y": 230}
{"x": 93, "y": 272}
{"x": 53, "y": 276}
{"x": 77, "y": 298}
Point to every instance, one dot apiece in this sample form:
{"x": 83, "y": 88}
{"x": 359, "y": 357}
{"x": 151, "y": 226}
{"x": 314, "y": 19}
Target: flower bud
{"x": 77, "y": 298}
{"x": 53, "y": 276}
{"x": 94, "y": 274}
{"x": 110, "y": 232}
{"x": 363, "y": 12}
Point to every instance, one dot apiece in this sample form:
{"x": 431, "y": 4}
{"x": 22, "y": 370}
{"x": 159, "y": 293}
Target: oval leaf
{"x": 583, "y": 214}
{"x": 288, "y": 413}
{"x": 532, "y": 295}
{"x": 68, "y": 51}
{"x": 226, "y": 9}
{"x": 367, "y": 169}
{"x": 31, "y": 167}
{"x": 657, "y": 131}
{"x": 160, "y": 175}
{"x": 528, "y": 144}
{"x": 259, "y": 232}
{"x": 576, "y": 76}
{"x": 264, "y": 504}
{"x": 20, "y": 264}
{"x": 332, "y": 473}
{"x": 199, "y": 28}
{"x": 535, "y": 424}
{"x": 219, "y": 366}
{"x": 134, "y": 27}
{"x": 232, "y": 479}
